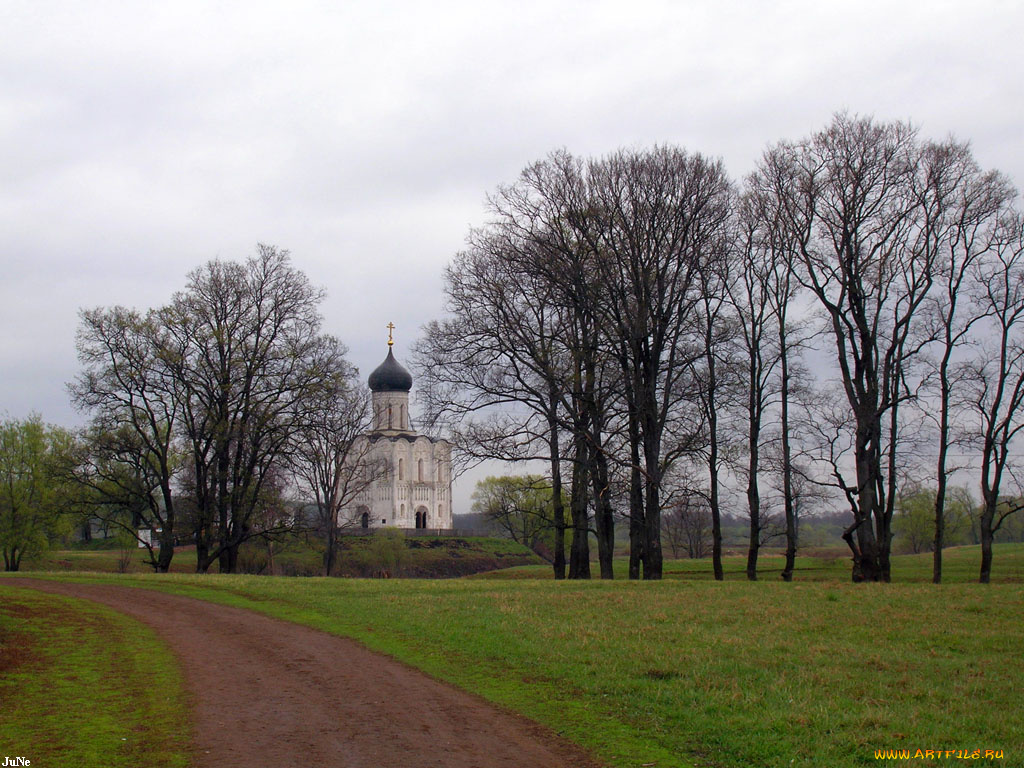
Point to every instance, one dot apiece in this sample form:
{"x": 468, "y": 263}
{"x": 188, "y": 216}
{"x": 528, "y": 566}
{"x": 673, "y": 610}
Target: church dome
{"x": 390, "y": 376}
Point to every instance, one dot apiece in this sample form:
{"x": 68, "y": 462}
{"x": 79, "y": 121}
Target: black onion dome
{"x": 390, "y": 376}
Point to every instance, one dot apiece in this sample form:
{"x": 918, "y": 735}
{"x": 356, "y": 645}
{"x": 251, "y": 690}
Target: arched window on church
{"x": 419, "y": 470}
{"x": 401, "y": 469}
{"x": 389, "y": 415}
{"x": 401, "y": 417}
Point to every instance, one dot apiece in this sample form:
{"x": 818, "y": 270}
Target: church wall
{"x": 395, "y": 499}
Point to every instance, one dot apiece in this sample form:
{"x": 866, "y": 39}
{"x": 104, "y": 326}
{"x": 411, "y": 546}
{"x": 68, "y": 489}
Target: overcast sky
{"x": 139, "y": 140}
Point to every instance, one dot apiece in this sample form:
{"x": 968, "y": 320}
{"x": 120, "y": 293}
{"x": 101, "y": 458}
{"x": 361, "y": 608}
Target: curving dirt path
{"x": 268, "y": 692}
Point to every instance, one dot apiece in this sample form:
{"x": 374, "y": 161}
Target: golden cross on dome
{"x": 390, "y": 327}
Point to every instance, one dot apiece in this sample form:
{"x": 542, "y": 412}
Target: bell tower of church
{"x": 415, "y": 489}
{"x": 390, "y": 384}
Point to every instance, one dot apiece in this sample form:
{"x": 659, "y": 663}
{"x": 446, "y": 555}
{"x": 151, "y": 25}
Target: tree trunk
{"x": 887, "y": 505}
{"x": 986, "y": 558}
{"x": 330, "y": 548}
{"x": 753, "y": 492}
{"x": 558, "y": 507}
{"x": 716, "y": 526}
{"x": 987, "y": 535}
{"x": 940, "y": 518}
{"x": 166, "y": 552}
{"x": 940, "y": 473}
{"x": 866, "y": 561}
{"x": 787, "y": 461}
{"x": 652, "y": 534}
{"x": 203, "y": 559}
{"x": 603, "y": 516}
{"x": 12, "y": 559}
{"x": 228, "y": 560}
{"x": 579, "y": 553}
{"x": 636, "y": 504}
{"x": 652, "y": 512}
{"x": 716, "y": 515}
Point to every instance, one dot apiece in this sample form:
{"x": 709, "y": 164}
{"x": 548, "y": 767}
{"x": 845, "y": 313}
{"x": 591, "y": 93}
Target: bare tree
{"x": 755, "y": 300}
{"x": 659, "y": 221}
{"x": 771, "y": 232}
{"x": 713, "y": 374}
{"x": 332, "y": 458}
{"x": 244, "y": 346}
{"x": 494, "y": 370}
{"x": 961, "y": 207}
{"x": 850, "y": 203}
{"x": 997, "y": 378}
{"x": 582, "y": 307}
{"x": 687, "y": 525}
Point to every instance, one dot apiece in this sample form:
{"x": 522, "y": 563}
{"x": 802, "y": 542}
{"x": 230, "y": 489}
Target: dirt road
{"x": 266, "y": 692}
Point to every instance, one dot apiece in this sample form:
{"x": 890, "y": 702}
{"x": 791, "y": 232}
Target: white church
{"x": 415, "y": 491}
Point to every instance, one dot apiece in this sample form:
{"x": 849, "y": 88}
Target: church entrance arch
{"x": 421, "y": 517}
{"x": 364, "y": 516}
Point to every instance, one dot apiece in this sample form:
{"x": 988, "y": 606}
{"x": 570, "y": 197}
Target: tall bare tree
{"x": 331, "y": 457}
{"x": 850, "y": 202}
{"x": 493, "y": 370}
{"x": 962, "y": 208}
{"x": 715, "y": 376}
{"x": 770, "y": 232}
{"x": 245, "y": 350}
{"x": 606, "y": 252}
{"x": 753, "y": 295}
{"x": 657, "y": 221}
{"x": 996, "y": 374}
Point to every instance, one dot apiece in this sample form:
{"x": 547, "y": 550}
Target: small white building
{"x": 415, "y": 490}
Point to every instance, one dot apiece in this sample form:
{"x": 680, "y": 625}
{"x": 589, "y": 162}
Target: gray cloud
{"x": 141, "y": 140}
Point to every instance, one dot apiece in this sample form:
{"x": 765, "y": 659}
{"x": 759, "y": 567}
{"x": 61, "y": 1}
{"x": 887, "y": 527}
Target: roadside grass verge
{"x": 82, "y": 685}
{"x": 679, "y": 673}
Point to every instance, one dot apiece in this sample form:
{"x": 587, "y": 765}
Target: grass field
{"x": 959, "y": 564}
{"x": 694, "y": 672}
{"x": 359, "y": 556}
{"x": 84, "y": 686}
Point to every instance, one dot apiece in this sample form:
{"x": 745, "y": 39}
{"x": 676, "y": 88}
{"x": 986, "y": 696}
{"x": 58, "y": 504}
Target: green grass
{"x": 425, "y": 556}
{"x": 959, "y": 565}
{"x": 694, "y": 672}
{"x": 82, "y": 685}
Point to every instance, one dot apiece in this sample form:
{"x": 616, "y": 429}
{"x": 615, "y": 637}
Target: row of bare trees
{"x": 204, "y": 410}
{"x": 625, "y": 318}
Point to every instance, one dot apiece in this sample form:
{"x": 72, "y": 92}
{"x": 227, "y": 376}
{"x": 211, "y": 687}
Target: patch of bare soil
{"x": 17, "y": 649}
{"x": 268, "y": 692}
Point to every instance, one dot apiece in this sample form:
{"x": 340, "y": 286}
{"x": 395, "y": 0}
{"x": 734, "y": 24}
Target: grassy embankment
{"x": 359, "y": 556}
{"x": 82, "y": 685}
{"x": 691, "y": 672}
